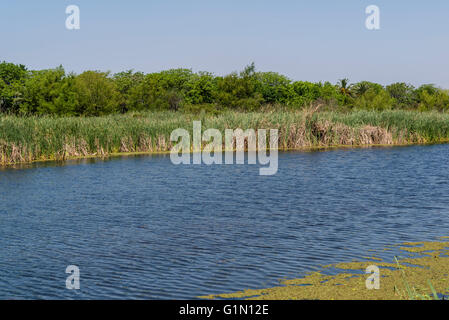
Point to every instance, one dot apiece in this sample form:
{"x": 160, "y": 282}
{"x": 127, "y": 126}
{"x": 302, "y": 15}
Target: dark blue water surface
{"x": 143, "y": 228}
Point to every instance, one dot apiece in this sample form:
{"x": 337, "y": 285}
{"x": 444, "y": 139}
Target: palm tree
{"x": 345, "y": 87}
{"x": 361, "y": 88}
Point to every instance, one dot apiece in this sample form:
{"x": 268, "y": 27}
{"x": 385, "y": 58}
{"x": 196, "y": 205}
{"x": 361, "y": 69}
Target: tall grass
{"x": 26, "y": 139}
{"x": 412, "y": 292}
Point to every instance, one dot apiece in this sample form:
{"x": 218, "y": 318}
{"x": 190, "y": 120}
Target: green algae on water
{"x": 420, "y": 276}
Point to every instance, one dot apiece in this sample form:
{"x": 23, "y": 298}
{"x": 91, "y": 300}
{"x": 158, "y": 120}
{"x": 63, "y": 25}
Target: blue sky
{"x": 319, "y": 40}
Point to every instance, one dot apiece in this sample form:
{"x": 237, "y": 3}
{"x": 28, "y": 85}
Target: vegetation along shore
{"x": 54, "y": 115}
{"x": 422, "y": 273}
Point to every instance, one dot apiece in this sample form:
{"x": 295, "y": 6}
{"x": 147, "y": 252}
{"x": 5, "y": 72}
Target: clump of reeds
{"x": 26, "y": 139}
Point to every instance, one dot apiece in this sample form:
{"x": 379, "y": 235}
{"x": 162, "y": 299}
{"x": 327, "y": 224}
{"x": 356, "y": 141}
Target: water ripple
{"x": 142, "y": 228}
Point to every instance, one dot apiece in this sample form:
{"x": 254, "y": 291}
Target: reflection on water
{"x": 140, "y": 227}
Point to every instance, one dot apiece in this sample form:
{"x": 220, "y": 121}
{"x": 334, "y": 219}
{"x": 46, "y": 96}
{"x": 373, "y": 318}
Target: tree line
{"x": 95, "y": 93}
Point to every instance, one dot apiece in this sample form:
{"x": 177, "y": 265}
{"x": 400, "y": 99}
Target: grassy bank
{"x": 421, "y": 275}
{"x": 27, "y": 139}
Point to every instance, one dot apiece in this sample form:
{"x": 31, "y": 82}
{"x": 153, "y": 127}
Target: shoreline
{"x": 151, "y": 153}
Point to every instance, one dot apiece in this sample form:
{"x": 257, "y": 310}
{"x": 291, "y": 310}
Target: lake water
{"x": 142, "y": 228}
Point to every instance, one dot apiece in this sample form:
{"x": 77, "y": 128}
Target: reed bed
{"x": 28, "y": 139}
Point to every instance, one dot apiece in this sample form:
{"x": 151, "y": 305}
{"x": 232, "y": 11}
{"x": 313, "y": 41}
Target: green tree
{"x": 345, "y": 87}
{"x": 360, "y": 88}
{"x": 161, "y": 91}
{"x": 148, "y": 94}
{"x": 175, "y": 79}
{"x": 374, "y": 100}
{"x": 12, "y": 77}
{"x": 274, "y": 88}
{"x": 48, "y": 92}
{"x": 404, "y": 94}
{"x": 346, "y": 94}
{"x": 239, "y": 91}
{"x": 432, "y": 98}
{"x": 201, "y": 88}
{"x": 125, "y": 82}
{"x": 97, "y": 94}
{"x": 305, "y": 92}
